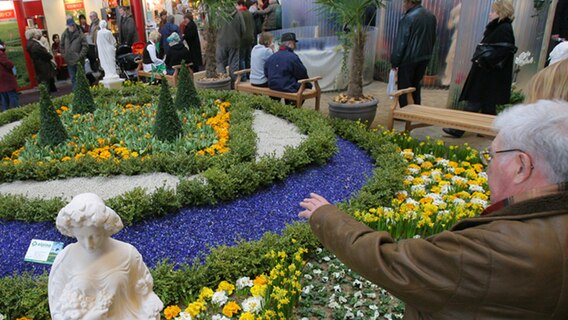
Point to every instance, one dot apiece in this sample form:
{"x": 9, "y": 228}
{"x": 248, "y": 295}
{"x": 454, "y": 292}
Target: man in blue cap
{"x": 74, "y": 47}
{"x": 284, "y": 68}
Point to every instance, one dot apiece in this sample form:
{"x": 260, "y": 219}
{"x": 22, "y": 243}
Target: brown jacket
{"x": 511, "y": 264}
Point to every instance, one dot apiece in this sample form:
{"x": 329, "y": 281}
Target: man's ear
{"x": 524, "y": 167}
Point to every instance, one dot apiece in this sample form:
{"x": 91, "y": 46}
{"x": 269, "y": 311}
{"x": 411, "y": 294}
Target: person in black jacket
{"x": 191, "y": 37}
{"x": 413, "y": 47}
{"x": 485, "y": 88}
{"x": 177, "y": 53}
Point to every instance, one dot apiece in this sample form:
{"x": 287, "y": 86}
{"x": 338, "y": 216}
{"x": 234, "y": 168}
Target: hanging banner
{"x": 74, "y": 8}
{"x": 7, "y": 14}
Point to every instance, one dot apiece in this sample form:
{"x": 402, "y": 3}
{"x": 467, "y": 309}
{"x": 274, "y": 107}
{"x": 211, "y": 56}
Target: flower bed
{"x": 248, "y": 258}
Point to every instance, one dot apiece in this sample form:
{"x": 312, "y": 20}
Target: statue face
{"x": 90, "y": 238}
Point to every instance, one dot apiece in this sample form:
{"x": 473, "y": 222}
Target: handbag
{"x": 486, "y": 53}
{"x": 391, "y": 87}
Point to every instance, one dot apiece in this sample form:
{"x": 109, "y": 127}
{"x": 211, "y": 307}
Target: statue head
{"x": 88, "y": 219}
{"x": 103, "y": 24}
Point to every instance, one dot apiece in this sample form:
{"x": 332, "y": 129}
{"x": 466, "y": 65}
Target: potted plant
{"x": 217, "y": 13}
{"x": 431, "y": 76}
{"x": 353, "y": 105}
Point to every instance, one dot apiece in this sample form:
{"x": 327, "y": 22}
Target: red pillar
{"x": 138, "y": 14}
{"x": 21, "y": 17}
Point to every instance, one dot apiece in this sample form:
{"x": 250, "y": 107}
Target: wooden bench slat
{"x": 424, "y": 116}
{"x": 299, "y": 97}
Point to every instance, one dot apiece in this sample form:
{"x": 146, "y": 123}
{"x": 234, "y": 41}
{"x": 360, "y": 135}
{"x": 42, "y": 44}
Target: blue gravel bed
{"x": 183, "y": 236}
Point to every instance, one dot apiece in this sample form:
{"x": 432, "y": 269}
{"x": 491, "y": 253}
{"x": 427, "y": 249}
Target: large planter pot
{"x": 364, "y": 111}
{"x": 221, "y": 84}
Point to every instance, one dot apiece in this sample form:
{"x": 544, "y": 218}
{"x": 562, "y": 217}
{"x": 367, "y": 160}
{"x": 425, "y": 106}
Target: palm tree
{"x": 350, "y": 14}
{"x": 218, "y": 12}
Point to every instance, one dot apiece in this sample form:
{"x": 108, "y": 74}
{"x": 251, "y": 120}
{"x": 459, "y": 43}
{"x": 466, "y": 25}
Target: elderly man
{"x": 284, "y": 68}
{"x": 74, "y": 48}
{"x": 509, "y": 263}
{"x": 413, "y": 47}
{"x": 92, "y": 41}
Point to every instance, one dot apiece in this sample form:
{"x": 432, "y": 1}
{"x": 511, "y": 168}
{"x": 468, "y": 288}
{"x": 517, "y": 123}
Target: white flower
{"x": 219, "y": 298}
{"x": 417, "y": 187}
{"x": 219, "y": 317}
{"x": 182, "y": 316}
{"x": 252, "y": 304}
{"x": 357, "y": 283}
{"x": 317, "y": 271}
{"x": 326, "y": 258}
{"x": 443, "y": 162}
{"x": 371, "y": 295}
{"x": 482, "y": 202}
{"x": 244, "y": 282}
{"x": 358, "y": 295}
{"x": 319, "y": 250}
{"x": 456, "y": 179}
{"x": 333, "y": 305}
{"x": 324, "y": 279}
{"x": 307, "y": 289}
{"x": 458, "y": 201}
{"x": 416, "y": 237}
{"x": 414, "y": 170}
{"x": 349, "y": 315}
{"x": 2, "y": 317}
{"x": 523, "y": 59}
{"x": 476, "y": 187}
{"x": 342, "y": 300}
{"x": 445, "y": 189}
{"x": 337, "y": 288}
{"x": 308, "y": 277}
{"x": 419, "y": 160}
{"x": 410, "y": 154}
{"x": 373, "y": 307}
{"x": 360, "y": 314}
{"x": 482, "y": 174}
{"x": 339, "y": 274}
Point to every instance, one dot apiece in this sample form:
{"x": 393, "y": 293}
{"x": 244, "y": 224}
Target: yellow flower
{"x": 246, "y": 316}
{"x": 206, "y": 293}
{"x": 66, "y": 158}
{"x": 171, "y": 312}
{"x": 226, "y": 286}
{"x": 231, "y": 309}
{"x": 260, "y": 280}
{"x": 258, "y": 290}
{"x": 195, "y": 308}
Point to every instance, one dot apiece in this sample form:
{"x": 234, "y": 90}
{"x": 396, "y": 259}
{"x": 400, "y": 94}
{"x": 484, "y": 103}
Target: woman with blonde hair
{"x": 490, "y": 77}
{"x": 549, "y": 83}
{"x": 150, "y": 60}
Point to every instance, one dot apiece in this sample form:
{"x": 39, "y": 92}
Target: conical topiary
{"x": 83, "y": 99}
{"x": 51, "y": 130}
{"x": 186, "y": 96}
{"x": 168, "y": 126}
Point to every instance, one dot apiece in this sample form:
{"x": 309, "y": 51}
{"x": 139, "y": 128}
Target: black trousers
{"x": 410, "y": 75}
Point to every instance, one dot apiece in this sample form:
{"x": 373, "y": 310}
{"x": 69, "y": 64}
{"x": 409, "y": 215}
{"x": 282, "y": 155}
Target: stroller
{"x": 127, "y": 62}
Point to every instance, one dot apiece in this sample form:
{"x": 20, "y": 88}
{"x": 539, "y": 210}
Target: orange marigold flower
{"x": 231, "y": 308}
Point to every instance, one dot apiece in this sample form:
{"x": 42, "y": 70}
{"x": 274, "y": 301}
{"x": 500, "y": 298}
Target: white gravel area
{"x": 273, "y": 135}
{"x": 5, "y": 129}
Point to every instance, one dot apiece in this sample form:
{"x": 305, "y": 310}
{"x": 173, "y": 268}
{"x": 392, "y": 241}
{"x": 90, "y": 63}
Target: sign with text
{"x": 7, "y": 14}
{"x": 42, "y": 251}
{"x": 74, "y": 8}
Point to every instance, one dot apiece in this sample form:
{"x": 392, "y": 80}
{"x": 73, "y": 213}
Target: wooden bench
{"x": 171, "y": 78}
{"x": 298, "y": 97}
{"x": 423, "y": 116}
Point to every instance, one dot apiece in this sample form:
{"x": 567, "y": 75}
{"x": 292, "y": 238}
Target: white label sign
{"x": 42, "y": 251}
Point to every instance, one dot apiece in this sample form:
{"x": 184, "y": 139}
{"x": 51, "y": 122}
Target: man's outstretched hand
{"x": 311, "y": 204}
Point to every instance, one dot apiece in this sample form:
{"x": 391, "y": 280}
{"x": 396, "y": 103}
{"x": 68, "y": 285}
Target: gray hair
{"x": 87, "y": 210}
{"x": 103, "y": 24}
{"x": 94, "y": 13}
{"x": 540, "y": 129}
{"x": 170, "y": 18}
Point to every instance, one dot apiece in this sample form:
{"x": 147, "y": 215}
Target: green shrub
{"x": 186, "y": 96}
{"x": 168, "y": 126}
{"x": 82, "y": 98}
{"x": 51, "y": 130}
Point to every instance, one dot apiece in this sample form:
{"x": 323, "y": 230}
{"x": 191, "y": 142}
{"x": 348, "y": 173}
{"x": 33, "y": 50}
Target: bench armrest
{"x": 396, "y": 96}
{"x": 238, "y": 75}
{"x": 313, "y": 80}
{"x": 243, "y": 71}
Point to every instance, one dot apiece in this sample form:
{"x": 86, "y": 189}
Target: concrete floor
{"x": 430, "y": 97}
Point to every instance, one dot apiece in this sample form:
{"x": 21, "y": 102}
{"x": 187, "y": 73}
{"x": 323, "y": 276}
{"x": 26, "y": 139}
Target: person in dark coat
{"x": 247, "y": 40}
{"x": 8, "y": 82}
{"x": 127, "y": 28}
{"x": 166, "y": 30}
{"x": 484, "y": 89}
{"x": 178, "y": 53}
{"x": 41, "y": 59}
{"x": 191, "y": 37}
{"x": 284, "y": 68}
{"x": 413, "y": 47}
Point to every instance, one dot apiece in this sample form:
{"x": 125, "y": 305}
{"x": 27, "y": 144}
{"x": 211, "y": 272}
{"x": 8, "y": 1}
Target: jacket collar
{"x": 546, "y": 201}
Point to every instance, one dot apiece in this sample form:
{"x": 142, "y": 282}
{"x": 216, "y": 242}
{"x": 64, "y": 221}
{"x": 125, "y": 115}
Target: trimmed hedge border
{"x": 27, "y": 295}
{"x": 227, "y": 177}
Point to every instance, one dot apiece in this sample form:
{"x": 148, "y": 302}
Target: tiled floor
{"x": 430, "y": 97}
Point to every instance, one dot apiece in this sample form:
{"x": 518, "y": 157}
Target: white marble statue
{"x": 98, "y": 277}
{"x": 106, "y": 46}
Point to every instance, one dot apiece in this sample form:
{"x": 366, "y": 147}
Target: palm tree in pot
{"x": 353, "y": 105}
{"x": 218, "y": 12}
